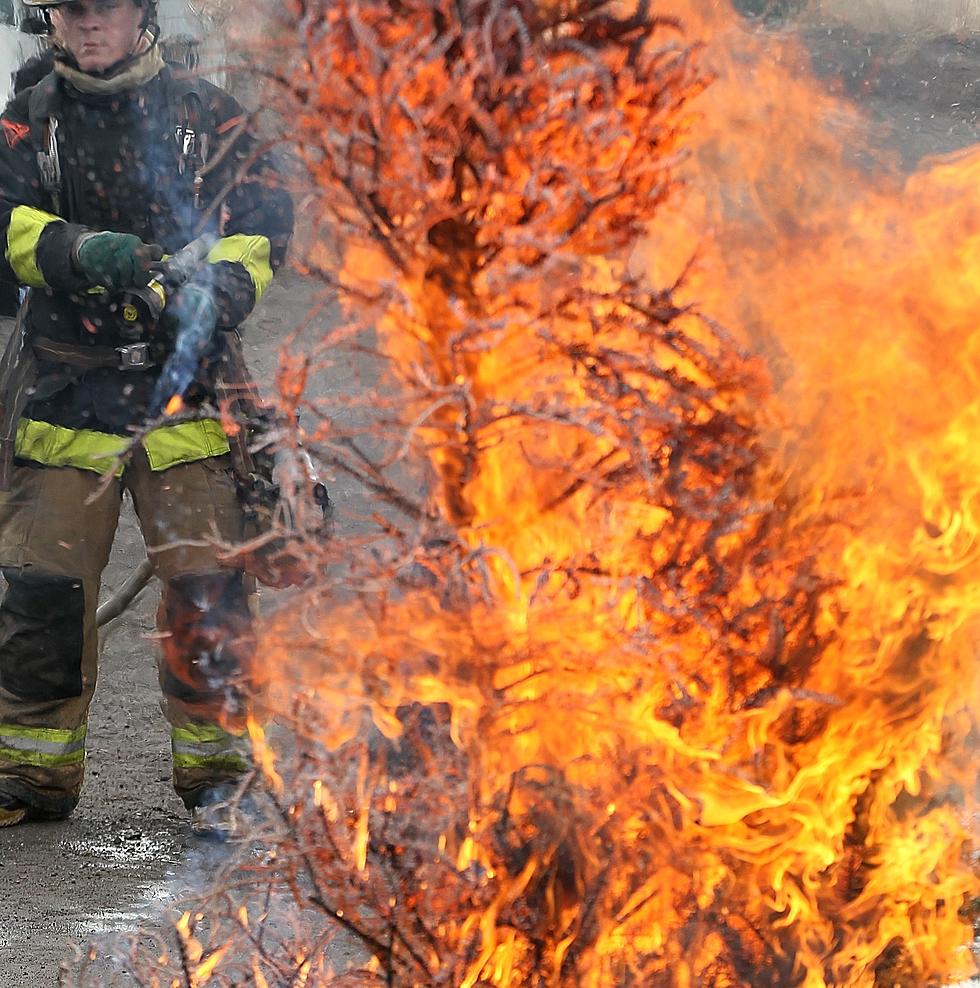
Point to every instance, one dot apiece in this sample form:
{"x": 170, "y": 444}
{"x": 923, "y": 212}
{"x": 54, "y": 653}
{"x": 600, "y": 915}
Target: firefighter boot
{"x": 223, "y": 812}
{"x": 12, "y": 810}
{"x": 20, "y": 803}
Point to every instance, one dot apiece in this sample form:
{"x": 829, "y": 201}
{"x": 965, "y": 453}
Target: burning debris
{"x": 627, "y": 685}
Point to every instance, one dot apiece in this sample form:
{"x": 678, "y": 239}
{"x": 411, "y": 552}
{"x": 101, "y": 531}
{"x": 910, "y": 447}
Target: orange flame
{"x": 780, "y": 785}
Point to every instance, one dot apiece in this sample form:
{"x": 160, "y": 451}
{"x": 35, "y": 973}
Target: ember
{"x": 658, "y": 666}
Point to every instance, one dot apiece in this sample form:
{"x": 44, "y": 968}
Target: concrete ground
{"x": 127, "y": 851}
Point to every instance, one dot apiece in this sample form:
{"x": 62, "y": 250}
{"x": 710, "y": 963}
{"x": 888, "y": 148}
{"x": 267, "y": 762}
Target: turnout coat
{"x": 166, "y": 160}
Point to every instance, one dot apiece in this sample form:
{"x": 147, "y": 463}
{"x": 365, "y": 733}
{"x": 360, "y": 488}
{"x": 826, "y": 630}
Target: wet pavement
{"x": 87, "y": 881}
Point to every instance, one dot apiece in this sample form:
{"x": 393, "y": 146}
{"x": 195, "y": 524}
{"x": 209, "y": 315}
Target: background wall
{"x": 903, "y": 16}
{"x": 178, "y": 17}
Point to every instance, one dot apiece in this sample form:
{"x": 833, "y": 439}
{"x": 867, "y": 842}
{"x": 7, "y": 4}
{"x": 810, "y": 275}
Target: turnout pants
{"x": 56, "y": 532}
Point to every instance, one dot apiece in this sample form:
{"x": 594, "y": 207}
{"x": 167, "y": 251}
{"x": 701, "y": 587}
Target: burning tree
{"x": 587, "y": 705}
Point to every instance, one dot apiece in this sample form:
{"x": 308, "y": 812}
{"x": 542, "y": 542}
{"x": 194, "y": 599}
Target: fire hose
{"x": 117, "y": 604}
{"x": 125, "y": 595}
{"x": 268, "y": 489}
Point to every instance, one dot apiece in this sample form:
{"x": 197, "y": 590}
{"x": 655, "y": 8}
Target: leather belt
{"x": 131, "y": 357}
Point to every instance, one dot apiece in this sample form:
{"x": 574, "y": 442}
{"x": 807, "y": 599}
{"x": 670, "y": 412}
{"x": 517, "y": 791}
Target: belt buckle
{"x": 134, "y": 356}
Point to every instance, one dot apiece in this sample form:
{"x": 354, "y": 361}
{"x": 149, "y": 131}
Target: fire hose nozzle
{"x": 178, "y": 269}
{"x": 143, "y": 306}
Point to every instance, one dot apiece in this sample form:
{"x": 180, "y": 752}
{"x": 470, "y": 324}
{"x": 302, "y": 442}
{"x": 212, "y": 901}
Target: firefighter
{"x": 107, "y": 164}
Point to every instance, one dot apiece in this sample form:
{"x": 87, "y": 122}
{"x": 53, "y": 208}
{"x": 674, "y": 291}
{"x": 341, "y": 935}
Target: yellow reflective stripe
{"x": 40, "y": 759}
{"x": 201, "y": 734}
{"x": 224, "y": 760}
{"x": 52, "y": 735}
{"x": 86, "y": 449}
{"x": 42, "y": 746}
{"x": 23, "y": 232}
{"x": 171, "y": 445}
{"x": 208, "y": 746}
{"x": 252, "y": 253}
{"x": 56, "y": 446}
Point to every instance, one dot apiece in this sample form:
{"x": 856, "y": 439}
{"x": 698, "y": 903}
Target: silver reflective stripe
{"x": 37, "y": 744}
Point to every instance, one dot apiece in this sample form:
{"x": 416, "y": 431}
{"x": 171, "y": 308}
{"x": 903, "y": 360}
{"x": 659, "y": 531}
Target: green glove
{"x": 114, "y": 260}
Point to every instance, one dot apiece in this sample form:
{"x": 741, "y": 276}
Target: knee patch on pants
{"x": 42, "y": 634}
{"x": 210, "y": 644}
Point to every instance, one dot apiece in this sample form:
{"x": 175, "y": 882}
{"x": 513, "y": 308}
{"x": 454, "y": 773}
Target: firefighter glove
{"x": 114, "y": 260}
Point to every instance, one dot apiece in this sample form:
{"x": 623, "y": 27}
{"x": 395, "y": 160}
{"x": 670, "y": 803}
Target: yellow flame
{"x": 264, "y": 756}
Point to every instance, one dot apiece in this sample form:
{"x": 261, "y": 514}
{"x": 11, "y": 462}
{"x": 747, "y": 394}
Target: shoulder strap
{"x": 43, "y": 106}
{"x": 193, "y": 127}
{"x": 44, "y": 100}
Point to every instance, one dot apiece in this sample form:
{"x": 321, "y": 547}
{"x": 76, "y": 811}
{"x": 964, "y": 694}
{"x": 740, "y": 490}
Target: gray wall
{"x": 902, "y": 16}
{"x": 178, "y": 18}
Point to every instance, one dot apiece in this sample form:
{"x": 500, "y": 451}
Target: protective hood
{"x": 131, "y": 72}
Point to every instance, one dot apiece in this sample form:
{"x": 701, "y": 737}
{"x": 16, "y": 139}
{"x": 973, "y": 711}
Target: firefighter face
{"x": 98, "y": 33}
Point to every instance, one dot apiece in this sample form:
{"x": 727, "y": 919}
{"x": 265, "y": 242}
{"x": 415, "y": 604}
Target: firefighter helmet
{"x": 46, "y": 5}
{"x": 42, "y": 4}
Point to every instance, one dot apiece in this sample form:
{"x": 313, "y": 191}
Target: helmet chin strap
{"x": 148, "y": 37}
{"x": 150, "y": 20}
